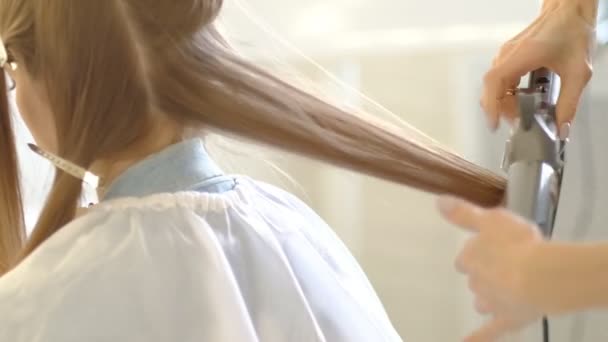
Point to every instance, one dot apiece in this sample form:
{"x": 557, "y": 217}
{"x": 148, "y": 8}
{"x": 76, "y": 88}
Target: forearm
{"x": 586, "y": 8}
{"x": 569, "y": 277}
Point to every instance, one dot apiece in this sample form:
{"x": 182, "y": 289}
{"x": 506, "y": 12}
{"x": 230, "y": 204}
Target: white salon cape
{"x": 179, "y": 252}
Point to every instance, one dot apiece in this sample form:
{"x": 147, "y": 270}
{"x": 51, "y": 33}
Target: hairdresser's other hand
{"x": 560, "y": 39}
{"x": 498, "y": 261}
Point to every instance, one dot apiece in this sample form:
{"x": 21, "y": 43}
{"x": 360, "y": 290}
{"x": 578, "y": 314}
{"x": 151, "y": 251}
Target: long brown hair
{"x": 107, "y": 65}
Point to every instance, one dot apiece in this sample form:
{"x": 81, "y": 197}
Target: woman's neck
{"x": 162, "y": 135}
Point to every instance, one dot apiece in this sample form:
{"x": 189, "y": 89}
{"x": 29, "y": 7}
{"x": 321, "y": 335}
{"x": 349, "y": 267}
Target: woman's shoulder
{"x": 153, "y": 226}
{"x": 176, "y": 255}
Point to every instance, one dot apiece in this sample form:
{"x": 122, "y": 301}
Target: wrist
{"x": 567, "y": 277}
{"x": 537, "y": 276}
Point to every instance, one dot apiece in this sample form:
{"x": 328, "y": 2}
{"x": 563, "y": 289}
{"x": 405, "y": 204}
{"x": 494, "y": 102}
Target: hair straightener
{"x": 534, "y": 161}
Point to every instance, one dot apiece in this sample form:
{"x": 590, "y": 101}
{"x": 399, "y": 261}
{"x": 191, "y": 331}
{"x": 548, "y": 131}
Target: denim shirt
{"x": 185, "y": 166}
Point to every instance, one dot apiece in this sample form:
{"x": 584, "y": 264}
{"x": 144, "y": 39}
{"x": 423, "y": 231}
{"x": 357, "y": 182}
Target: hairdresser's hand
{"x": 560, "y": 39}
{"x": 498, "y": 261}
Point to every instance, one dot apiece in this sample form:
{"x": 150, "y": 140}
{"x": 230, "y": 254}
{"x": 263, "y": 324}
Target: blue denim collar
{"x": 184, "y": 166}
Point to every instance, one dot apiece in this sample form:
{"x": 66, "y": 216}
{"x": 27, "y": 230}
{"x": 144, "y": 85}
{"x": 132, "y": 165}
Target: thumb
{"x": 572, "y": 86}
{"x": 460, "y": 212}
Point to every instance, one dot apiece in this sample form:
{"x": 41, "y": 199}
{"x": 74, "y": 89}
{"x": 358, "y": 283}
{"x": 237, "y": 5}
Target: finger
{"x": 508, "y": 47}
{"x": 512, "y": 62}
{"x": 524, "y": 57}
{"x": 499, "y": 78}
{"x": 491, "y": 108}
{"x": 530, "y": 29}
{"x": 505, "y": 51}
{"x": 572, "y": 87}
{"x": 509, "y": 107}
{"x": 460, "y": 212}
{"x": 501, "y": 219}
{"x": 492, "y": 113}
{"x": 474, "y": 284}
{"x": 491, "y": 331}
{"x": 463, "y": 263}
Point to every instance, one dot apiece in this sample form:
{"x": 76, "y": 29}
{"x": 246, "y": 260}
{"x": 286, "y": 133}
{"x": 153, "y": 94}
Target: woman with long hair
{"x": 176, "y": 250}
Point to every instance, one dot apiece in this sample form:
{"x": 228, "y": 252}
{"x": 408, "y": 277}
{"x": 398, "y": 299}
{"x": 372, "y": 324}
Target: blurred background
{"x": 423, "y": 61}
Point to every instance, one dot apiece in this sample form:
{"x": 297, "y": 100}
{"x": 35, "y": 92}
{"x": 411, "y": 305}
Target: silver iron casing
{"x": 534, "y": 162}
{"x": 534, "y": 154}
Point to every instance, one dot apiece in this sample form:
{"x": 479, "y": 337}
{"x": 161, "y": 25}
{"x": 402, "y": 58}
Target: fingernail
{"x": 564, "y": 131}
{"x": 446, "y": 204}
